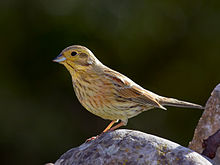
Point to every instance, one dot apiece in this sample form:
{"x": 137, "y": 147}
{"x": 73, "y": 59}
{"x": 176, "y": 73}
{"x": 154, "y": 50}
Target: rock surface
{"x": 208, "y": 124}
{"x": 131, "y": 147}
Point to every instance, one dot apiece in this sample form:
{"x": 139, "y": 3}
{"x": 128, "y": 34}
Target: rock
{"x": 208, "y": 124}
{"x": 131, "y": 147}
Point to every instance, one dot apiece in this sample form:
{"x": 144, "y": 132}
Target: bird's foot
{"x": 92, "y": 138}
{"x": 95, "y": 137}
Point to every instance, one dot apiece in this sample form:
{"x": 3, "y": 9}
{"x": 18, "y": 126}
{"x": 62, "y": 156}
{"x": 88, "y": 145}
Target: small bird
{"x": 108, "y": 93}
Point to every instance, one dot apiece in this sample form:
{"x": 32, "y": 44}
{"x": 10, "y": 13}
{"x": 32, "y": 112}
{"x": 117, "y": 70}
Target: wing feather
{"x": 129, "y": 90}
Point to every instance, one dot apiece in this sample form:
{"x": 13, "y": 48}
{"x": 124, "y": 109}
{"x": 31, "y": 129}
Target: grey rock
{"x": 131, "y": 148}
{"x": 208, "y": 123}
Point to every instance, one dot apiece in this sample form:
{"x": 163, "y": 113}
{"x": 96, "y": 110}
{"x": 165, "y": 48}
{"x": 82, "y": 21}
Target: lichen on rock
{"x": 131, "y": 147}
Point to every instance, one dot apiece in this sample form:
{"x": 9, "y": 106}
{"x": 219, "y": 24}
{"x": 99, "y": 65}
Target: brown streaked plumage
{"x": 107, "y": 93}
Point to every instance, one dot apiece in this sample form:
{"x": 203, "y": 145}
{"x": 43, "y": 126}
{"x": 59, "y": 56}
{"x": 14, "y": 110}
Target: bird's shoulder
{"x": 126, "y": 88}
{"x": 117, "y": 78}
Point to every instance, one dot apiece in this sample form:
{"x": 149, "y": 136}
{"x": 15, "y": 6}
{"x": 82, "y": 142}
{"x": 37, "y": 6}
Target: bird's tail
{"x": 177, "y": 103}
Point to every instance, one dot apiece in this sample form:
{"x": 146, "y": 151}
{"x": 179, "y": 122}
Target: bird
{"x": 108, "y": 93}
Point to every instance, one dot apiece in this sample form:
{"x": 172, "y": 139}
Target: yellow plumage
{"x": 107, "y": 93}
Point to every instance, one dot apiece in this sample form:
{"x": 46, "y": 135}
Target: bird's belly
{"x": 104, "y": 111}
{"x": 112, "y": 110}
{"x": 107, "y": 106}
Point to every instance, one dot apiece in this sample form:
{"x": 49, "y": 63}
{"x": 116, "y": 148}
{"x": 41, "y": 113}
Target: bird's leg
{"x": 117, "y": 126}
{"x": 106, "y": 129}
{"x": 109, "y": 126}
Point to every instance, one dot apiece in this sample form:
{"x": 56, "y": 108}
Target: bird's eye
{"x": 73, "y": 53}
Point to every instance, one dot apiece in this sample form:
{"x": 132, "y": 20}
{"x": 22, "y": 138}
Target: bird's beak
{"x": 59, "y": 58}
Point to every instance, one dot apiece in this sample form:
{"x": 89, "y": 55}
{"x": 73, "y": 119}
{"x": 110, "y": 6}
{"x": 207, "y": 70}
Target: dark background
{"x": 169, "y": 47}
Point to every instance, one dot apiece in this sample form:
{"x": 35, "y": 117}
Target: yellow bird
{"x": 107, "y": 93}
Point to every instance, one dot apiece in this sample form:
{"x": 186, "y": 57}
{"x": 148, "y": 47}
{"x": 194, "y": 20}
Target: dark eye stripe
{"x": 83, "y": 55}
{"x": 73, "y": 53}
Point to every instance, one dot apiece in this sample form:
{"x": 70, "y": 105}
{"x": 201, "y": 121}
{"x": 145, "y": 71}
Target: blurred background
{"x": 169, "y": 47}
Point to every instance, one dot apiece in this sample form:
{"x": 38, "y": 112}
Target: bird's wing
{"x": 129, "y": 90}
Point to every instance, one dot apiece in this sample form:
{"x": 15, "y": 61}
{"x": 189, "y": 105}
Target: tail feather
{"x": 178, "y": 103}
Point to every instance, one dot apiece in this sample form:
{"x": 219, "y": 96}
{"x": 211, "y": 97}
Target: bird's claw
{"x": 95, "y": 137}
{"x": 92, "y": 138}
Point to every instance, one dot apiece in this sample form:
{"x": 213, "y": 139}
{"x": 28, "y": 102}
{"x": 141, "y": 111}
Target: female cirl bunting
{"x": 107, "y": 93}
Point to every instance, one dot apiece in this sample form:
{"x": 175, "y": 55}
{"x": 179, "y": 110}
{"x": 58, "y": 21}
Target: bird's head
{"x": 76, "y": 57}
